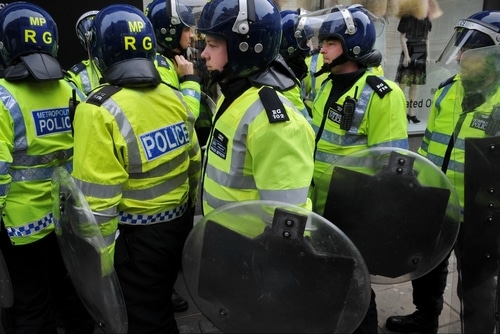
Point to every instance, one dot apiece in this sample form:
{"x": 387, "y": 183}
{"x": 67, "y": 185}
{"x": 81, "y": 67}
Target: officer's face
{"x": 331, "y": 50}
{"x": 186, "y": 38}
{"x": 215, "y": 53}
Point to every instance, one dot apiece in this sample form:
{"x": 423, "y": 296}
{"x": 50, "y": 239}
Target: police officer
{"x": 260, "y": 147}
{"x": 35, "y": 138}
{"x": 354, "y": 108}
{"x": 137, "y": 162}
{"x": 481, "y": 29}
{"x": 84, "y": 74}
{"x": 294, "y": 50}
{"x": 312, "y": 82}
{"x": 173, "y": 24}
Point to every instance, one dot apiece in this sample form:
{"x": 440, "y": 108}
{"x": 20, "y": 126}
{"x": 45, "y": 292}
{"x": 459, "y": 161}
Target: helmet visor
{"x": 327, "y": 23}
{"x": 468, "y": 35}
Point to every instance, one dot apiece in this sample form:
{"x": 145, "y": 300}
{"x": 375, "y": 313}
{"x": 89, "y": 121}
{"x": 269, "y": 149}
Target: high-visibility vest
{"x": 84, "y": 75}
{"x": 137, "y": 158}
{"x": 378, "y": 121}
{"x": 35, "y": 138}
{"x": 256, "y": 154}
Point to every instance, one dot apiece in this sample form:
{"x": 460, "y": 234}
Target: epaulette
{"x": 101, "y": 95}
{"x": 275, "y": 109}
{"x": 448, "y": 81}
{"x": 378, "y": 85}
{"x": 162, "y": 61}
{"x": 77, "y": 68}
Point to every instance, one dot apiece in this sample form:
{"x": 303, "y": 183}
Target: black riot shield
{"x": 478, "y": 246}
{"x": 271, "y": 267}
{"x": 398, "y": 208}
{"x": 6, "y": 293}
{"x": 81, "y": 245}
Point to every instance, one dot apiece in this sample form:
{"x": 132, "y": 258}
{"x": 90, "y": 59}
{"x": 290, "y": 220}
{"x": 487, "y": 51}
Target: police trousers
{"x": 42, "y": 290}
{"x": 428, "y": 290}
{"x": 147, "y": 261}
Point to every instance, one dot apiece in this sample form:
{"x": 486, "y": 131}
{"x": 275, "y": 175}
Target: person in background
{"x": 347, "y": 37}
{"x": 35, "y": 139}
{"x": 137, "y": 162}
{"x": 294, "y": 50}
{"x": 84, "y": 74}
{"x": 173, "y": 23}
{"x": 480, "y": 30}
{"x": 261, "y": 146}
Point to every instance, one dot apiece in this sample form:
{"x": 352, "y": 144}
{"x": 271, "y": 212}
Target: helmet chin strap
{"x": 342, "y": 59}
{"x": 217, "y": 76}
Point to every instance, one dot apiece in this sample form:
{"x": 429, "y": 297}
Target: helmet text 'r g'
{"x": 30, "y": 36}
{"x": 130, "y": 43}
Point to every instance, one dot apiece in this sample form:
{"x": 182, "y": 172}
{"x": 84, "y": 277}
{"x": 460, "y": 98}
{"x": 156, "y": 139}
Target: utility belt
{"x": 161, "y": 217}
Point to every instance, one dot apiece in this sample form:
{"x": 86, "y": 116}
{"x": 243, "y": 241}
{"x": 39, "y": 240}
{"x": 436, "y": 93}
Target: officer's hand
{"x": 183, "y": 66}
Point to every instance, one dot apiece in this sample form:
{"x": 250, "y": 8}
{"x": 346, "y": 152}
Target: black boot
{"x": 415, "y": 322}
{"x": 179, "y": 303}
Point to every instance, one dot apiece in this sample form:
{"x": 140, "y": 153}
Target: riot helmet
{"x": 294, "y": 42}
{"x": 353, "y": 27}
{"x": 123, "y": 45}
{"x": 251, "y": 29}
{"x": 82, "y": 27}
{"x": 481, "y": 29}
{"x": 28, "y": 42}
{"x": 169, "y": 19}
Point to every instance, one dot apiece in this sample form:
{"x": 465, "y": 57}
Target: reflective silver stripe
{"x": 31, "y": 228}
{"x": 36, "y": 173}
{"x": 4, "y": 167}
{"x": 21, "y": 159}
{"x": 401, "y": 143}
{"x": 453, "y": 165}
{"x": 98, "y": 190}
{"x": 314, "y": 65}
{"x": 292, "y": 196}
{"x": 140, "y": 219}
{"x": 214, "y": 202}
{"x": 105, "y": 216}
{"x": 162, "y": 169}
{"x": 342, "y": 140}
{"x": 4, "y": 189}
{"x": 128, "y": 134}
{"x": 229, "y": 180}
{"x": 85, "y": 78}
{"x": 109, "y": 239}
{"x": 360, "y": 110}
{"x": 20, "y": 142}
{"x": 191, "y": 92}
{"x": 158, "y": 190}
{"x": 235, "y": 178}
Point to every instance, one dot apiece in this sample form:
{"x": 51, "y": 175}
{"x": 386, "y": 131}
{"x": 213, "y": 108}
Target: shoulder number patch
{"x": 274, "y": 107}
